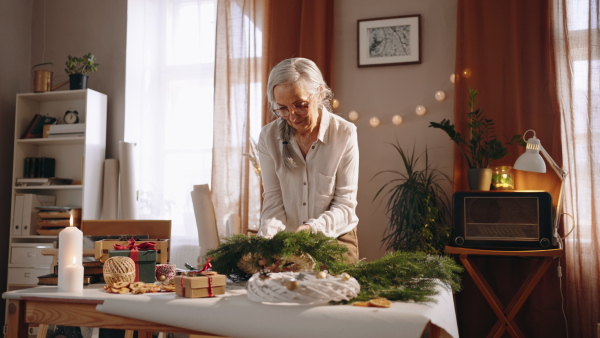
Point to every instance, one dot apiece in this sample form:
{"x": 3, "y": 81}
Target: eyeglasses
{"x": 300, "y": 108}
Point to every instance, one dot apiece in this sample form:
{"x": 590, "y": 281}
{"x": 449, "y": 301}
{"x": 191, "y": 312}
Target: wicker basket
{"x": 119, "y": 269}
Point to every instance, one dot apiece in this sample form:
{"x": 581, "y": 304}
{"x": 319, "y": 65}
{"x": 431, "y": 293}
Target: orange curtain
{"x": 300, "y": 28}
{"x": 505, "y": 51}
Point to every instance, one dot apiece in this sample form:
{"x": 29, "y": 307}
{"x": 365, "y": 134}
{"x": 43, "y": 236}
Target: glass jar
{"x": 502, "y": 178}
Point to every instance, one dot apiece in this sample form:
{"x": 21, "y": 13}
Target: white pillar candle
{"x": 70, "y": 256}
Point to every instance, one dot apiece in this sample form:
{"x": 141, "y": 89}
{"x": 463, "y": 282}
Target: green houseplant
{"x": 77, "y": 69}
{"x": 481, "y": 146}
{"x": 417, "y": 206}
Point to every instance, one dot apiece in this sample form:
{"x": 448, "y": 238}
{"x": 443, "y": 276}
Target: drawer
{"x": 26, "y": 275}
{"x": 30, "y": 254}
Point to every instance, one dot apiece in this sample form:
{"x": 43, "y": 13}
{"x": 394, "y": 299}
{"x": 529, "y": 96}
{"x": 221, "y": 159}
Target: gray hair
{"x": 296, "y": 71}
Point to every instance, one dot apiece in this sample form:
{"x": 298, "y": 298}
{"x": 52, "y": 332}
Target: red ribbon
{"x": 207, "y": 266}
{"x": 132, "y": 246}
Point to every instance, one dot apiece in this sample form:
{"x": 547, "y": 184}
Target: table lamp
{"x": 532, "y": 161}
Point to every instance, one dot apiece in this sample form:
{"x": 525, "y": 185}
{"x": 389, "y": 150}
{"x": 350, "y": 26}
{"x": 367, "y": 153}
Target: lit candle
{"x": 70, "y": 256}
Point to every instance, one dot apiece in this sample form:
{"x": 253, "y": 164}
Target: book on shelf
{"x": 30, "y": 204}
{"x": 63, "y": 135}
{"x": 66, "y": 128}
{"x": 52, "y": 279}
{"x": 35, "y": 129}
{"x": 35, "y": 167}
{"x": 89, "y": 268}
{"x": 26, "y": 181}
{"x": 58, "y": 212}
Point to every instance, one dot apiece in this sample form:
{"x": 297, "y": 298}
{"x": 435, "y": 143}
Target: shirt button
{"x": 304, "y": 183}
{"x": 304, "y": 203}
{"x": 313, "y": 147}
{"x": 304, "y": 222}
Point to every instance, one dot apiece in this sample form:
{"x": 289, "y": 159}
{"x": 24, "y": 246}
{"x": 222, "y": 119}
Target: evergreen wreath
{"x": 402, "y": 276}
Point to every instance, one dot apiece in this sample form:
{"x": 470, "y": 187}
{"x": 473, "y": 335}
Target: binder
{"x": 30, "y": 202}
{"x": 18, "y": 215}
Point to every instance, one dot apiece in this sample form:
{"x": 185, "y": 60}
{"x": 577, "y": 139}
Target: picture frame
{"x": 389, "y": 41}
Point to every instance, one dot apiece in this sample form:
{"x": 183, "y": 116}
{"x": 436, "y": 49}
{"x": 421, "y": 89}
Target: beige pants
{"x": 350, "y": 240}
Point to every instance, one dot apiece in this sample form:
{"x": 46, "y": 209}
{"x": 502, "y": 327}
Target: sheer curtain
{"x": 169, "y": 110}
{"x": 239, "y": 80}
{"x": 578, "y": 67}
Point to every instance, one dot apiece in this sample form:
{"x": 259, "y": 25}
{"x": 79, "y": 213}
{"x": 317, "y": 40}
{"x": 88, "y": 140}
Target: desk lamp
{"x": 532, "y": 161}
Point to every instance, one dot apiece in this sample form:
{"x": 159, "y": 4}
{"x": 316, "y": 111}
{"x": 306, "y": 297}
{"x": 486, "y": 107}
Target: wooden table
{"x": 506, "y": 314}
{"x": 239, "y": 316}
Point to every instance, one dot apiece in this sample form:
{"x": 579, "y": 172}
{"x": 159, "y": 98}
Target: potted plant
{"x": 78, "y": 67}
{"x": 481, "y": 147}
{"x": 417, "y": 207}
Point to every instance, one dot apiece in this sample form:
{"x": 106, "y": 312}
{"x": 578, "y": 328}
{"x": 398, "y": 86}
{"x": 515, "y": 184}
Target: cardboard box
{"x": 145, "y": 265}
{"x": 104, "y": 246}
{"x": 198, "y": 287}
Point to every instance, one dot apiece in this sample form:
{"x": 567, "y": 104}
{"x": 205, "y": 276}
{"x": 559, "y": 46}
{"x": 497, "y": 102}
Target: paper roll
{"x": 110, "y": 196}
{"x": 127, "y": 180}
{"x": 205, "y": 219}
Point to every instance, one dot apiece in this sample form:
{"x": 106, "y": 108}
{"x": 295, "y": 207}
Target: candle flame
{"x": 71, "y": 221}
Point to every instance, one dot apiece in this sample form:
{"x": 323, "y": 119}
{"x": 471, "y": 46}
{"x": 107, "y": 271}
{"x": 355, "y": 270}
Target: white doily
{"x": 301, "y": 287}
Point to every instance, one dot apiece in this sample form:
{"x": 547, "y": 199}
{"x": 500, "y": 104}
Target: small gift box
{"x": 200, "y": 286}
{"x": 144, "y": 257}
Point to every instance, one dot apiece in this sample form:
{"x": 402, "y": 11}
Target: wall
{"x": 15, "y": 37}
{"x": 389, "y": 90}
{"x": 70, "y": 27}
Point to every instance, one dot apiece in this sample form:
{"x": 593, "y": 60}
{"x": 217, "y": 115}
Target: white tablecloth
{"x": 234, "y": 315}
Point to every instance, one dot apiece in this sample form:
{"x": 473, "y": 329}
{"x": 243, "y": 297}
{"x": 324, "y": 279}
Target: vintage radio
{"x": 503, "y": 220}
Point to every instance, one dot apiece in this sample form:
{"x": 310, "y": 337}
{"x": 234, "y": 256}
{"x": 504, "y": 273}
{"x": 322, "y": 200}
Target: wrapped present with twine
{"x": 143, "y": 255}
{"x": 200, "y": 283}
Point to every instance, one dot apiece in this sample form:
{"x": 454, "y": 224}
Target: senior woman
{"x": 308, "y": 158}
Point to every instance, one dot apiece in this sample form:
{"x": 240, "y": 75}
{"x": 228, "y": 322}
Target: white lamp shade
{"x": 531, "y": 160}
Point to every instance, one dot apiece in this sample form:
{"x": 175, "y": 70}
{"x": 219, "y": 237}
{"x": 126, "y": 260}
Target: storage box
{"x": 104, "y": 246}
{"x": 199, "y": 287}
{"x": 145, "y": 265}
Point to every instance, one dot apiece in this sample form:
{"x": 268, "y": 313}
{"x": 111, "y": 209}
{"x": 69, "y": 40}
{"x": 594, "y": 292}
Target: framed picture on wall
{"x": 389, "y": 41}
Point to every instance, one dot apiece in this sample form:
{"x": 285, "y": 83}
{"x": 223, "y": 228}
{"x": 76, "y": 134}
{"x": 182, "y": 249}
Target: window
{"x": 169, "y": 110}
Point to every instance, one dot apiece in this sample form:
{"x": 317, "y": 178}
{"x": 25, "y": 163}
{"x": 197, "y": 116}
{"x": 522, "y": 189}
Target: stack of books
{"x": 66, "y": 130}
{"x": 52, "y": 219}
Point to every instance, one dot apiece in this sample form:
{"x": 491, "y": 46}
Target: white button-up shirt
{"x": 321, "y": 190}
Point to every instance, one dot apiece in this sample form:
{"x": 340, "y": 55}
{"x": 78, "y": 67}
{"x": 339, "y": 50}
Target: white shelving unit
{"x": 78, "y": 158}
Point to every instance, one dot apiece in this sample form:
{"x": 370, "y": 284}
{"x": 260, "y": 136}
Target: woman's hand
{"x": 304, "y": 227}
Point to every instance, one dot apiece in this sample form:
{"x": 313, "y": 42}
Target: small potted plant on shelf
{"x": 481, "y": 147}
{"x": 78, "y": 67}
{"x": 417, "y": 206}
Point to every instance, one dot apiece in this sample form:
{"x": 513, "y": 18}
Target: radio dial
{"x": 459, "y": 240}
{"x": 545, "y": 242}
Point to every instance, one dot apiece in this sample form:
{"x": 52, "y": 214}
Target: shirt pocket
{"x": 325, "y": 185}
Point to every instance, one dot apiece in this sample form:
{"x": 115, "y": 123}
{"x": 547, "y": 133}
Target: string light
{"x": 374, "y": 121}
{"x": 440, "y": 95}
{"x": 397, "y": 120}
{"x": 420, "y": 110}
{"x": 353, "y": 115}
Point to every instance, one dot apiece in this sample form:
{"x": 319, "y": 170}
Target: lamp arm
{"x": 562, "y": 174}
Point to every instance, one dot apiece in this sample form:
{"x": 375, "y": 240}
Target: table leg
{"x": 521, "y": 296}
{"x": 17, "y": 328}
{"x": 503, "y": 323}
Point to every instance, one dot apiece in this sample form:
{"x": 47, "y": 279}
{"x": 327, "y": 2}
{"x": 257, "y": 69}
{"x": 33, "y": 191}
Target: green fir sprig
{"x": 404, "y": 276}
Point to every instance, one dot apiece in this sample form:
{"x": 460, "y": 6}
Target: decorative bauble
{"x": 119, "y": 269}
{"x": 165, "y": 272}
{"x": 344, "y": 276}
{"x": 292, "y": 284}
{"x": 321, "y": 274}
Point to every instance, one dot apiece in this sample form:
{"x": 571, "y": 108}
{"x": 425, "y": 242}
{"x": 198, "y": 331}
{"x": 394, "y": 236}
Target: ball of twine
{"x": 303, "y": 288}
{"x": 119, "y": 269}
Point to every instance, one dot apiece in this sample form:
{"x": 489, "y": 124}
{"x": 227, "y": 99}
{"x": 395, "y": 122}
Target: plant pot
{"x": 479, "y": 179}
{"x": 77, "y": 81}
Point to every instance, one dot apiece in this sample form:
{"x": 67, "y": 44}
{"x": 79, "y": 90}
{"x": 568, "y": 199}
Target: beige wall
{"x": 75, "y": 28}
{"x": 386, "y": 91}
